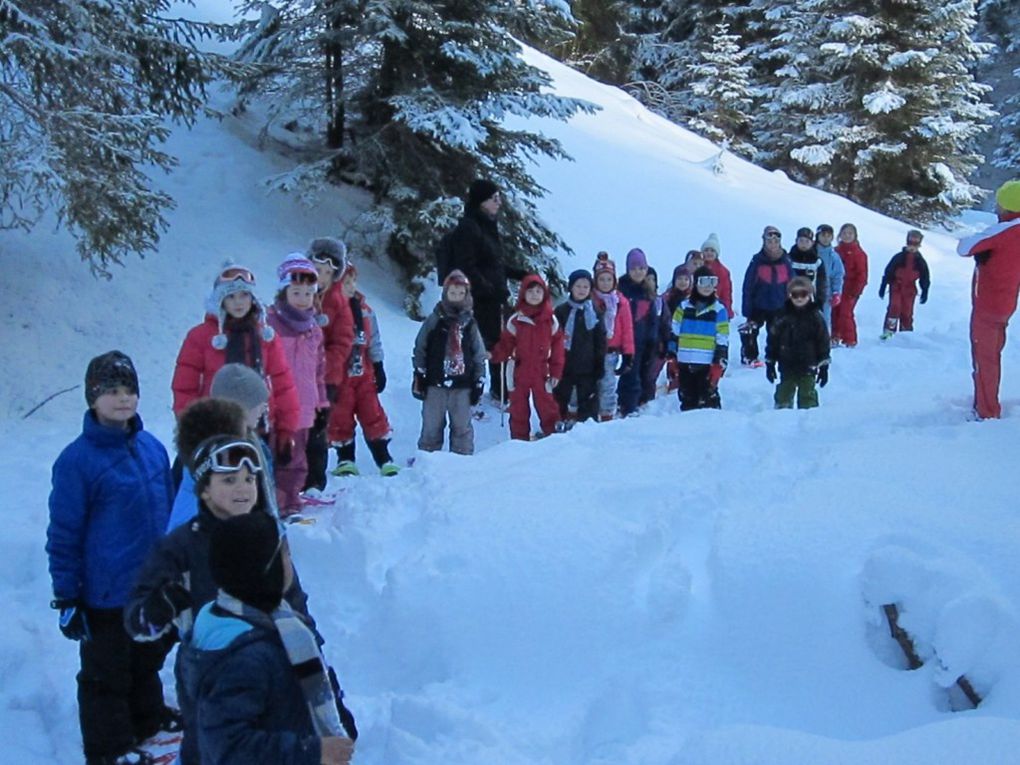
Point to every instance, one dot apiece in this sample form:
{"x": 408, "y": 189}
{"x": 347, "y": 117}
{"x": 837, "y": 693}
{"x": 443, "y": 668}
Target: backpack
{"x": 444, "y": 256}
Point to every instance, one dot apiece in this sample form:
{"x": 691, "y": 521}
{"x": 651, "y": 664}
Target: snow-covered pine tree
{"x": 85, "y": 90}
{"x": 599, "y": 46}
{"x": 721, "y": 89}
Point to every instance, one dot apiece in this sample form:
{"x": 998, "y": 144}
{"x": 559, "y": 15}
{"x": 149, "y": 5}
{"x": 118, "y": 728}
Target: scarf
{"x": 590, "y": 319}
{"x": 294, "y": 319}
{"x": 306, "y": 660}
{"x": 244, "y": 344}
{"x": 355, "y": 367}
{"x": 612, "y": 303}
{"x": 453, "y": 360}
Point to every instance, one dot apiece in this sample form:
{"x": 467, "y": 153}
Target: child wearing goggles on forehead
{"x": 798, "y": 342}
{"x": 234, "y": 331}
{"x": 904, "y": 272}
{"x": 700, "y": 344}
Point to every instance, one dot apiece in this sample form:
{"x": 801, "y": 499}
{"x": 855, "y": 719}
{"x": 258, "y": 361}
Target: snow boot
{"x": 381, "y": 454}
{"x": 345, "y": 460}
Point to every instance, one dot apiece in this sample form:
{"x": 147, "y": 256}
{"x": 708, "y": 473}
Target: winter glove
{"x": 924, "y": 298}
{"x": 881, "y": 292}
{"x": 418, "y": 386}
{"x": 321, "y": 419}
{"x": 162, "y": 607}
{"x": 380, "y": 377}
{"x": 715, "y": 373}
{"x": 476, "y": 392}
{"x": 835, "y": 300}
{"x": 73, "y": 622}
{"x": 770, "y": 371}
{"x": 283, "y": 446}
{"x": 332, "y": 393}
{"x": 626, "y": 362}
{"x": 346, "y": 718}
{"x": 982, "y": 257}
{"x": 823, "y": 375}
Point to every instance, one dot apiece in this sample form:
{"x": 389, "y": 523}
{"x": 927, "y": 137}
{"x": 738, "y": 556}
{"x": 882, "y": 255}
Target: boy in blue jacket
{"x": 111, "y": 498}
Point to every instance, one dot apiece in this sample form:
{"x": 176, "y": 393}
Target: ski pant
{"x": 749, "y": 334}
{"x": 527, "y": 388}
{"x": 844, "y": 325}
{"x": 987, "y": 339}
{"x": 801, "y": 386}
{"x": 582, "y": 390}
{"x": 489, "y": 318}
{"x": 290, "y": 478}
{"x": 317, "y": 452}
{"x": 120, "y": 695}
{"x": 607, "y": 384}
{"x": 439, "y": 404}
{"x": 358, "y": 399}
{"x": 628, "y": 390}
{"x": 695, "y": 391}
{"x": 650, "y": 377}
{"x": 900, "y": 313}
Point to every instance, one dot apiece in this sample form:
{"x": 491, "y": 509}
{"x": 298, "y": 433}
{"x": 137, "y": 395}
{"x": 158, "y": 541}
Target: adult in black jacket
{"x": 477, "y": 250}
{"x": 585, "y": 345}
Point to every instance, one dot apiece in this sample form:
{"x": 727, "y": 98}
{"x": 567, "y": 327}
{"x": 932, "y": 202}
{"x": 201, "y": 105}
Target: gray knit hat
{"x": 240, "y": 383}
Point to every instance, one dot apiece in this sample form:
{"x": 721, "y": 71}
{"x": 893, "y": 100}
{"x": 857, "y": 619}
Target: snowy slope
{"x": 697, "y": 588}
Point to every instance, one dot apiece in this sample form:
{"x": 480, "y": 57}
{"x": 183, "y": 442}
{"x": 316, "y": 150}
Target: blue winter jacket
{"x": 250, "y": 708}
{"x": 765, "y": 284}
{"x": 111, "y": 498}
{"x": 833, "y": 267}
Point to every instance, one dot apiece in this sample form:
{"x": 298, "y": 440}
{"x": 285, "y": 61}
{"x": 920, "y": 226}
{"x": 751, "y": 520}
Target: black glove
{"x": 924, "y": 298}
{"x": 982, "y": 257}
{"x": 73, "y": 623}
{"x": 823, "y": 375}
{"x": 163, "y": 605}
{"x": 321, "y": 419}
{"x": 770, "y": 371}
{"x": 380, "y": 377}
{"x": 332, "y": 393}
{"x": 418, "y": 386}
{"x": 476, "y": 392}
{"x": 626, "y": 362}
{"x": 881, "y": 292}
{"x": 283, "y": 446}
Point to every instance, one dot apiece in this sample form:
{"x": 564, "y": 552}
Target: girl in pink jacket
{"x": 619, "y": 333}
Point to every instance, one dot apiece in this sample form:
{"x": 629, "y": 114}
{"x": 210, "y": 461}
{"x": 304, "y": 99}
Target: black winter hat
{"x": 106, "y": 372}
{"x": 805, "y": 232}
{"x": 481, "y": 190}
{"x": 577, "y": 275}
{"x": 824, "y": 228}
{"x": 245, "y": 560}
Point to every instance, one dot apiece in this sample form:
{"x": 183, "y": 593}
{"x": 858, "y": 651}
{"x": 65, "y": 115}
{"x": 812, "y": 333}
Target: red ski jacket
{"x": 996, "y": 251}
{"x": 532, "y": 338}
{"x": 855, "y": 263}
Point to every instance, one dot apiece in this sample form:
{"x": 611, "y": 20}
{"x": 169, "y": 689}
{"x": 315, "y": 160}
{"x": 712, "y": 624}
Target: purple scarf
{"x": 295, "y": 320}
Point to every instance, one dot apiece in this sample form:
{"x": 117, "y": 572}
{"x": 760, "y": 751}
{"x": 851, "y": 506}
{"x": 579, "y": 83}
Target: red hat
{"x": 604, "y": 264}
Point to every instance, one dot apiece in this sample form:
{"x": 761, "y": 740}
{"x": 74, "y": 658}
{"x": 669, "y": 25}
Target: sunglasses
{"x": 798, "y": 294}
{"x": 227, "y": 458}
{"x": 708, "y": 281}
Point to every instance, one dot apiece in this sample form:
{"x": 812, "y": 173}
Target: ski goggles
{"x": 227, "y": 457}
{"x": 773, "y": 234}
{"x": 798, "y": 294}
{"x": 326, "y": 260}
{"x": 237, "y": 273}
{"x": 708, "y": 281}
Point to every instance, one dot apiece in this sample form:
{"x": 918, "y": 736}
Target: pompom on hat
{"x": 604, "y": 264}
{"x": 1008, "y": 196}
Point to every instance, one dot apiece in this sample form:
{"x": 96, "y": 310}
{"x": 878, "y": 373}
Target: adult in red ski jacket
{"x": 903, "y": 274}
{"x": 532, "y": 343}
{"x": 855, "y": 263}
{"x": 994, "y": 289}
{"x": 223, "y": 338}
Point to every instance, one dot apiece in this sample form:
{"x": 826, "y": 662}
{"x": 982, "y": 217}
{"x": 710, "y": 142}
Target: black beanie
{"x": 245, "y": 560}
{"x": 577, "y": 276}
{"x": 108, "y": 371}
{"x": 481, "y": 190}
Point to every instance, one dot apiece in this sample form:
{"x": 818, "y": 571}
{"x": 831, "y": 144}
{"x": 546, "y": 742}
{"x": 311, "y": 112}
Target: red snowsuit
{"x": 532, "y": 341}
{"x": 901, "y": 276}
{"x": 198, "y": 362}
{"x": 357, "y": 395}
{"x": 724, "y": 289}
{"x": 855, "y": 262}
{"x": 994, "y": 290}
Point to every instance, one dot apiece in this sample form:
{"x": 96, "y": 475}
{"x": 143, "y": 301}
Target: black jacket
{"x": 587, "y": 354}
{"x": 798, "y": 339}
{"x": 477, "y": 250}
{"x": 808, "y": 264}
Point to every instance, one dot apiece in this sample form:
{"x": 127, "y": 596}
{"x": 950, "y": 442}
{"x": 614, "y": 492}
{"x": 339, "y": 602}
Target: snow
{"x": 695, "y": 588}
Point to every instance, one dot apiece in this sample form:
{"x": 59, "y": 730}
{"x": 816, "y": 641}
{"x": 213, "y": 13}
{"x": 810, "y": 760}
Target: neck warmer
{"x": 296, "y": 320}
{"x": 590, "y": 319}
{"x": 612, "y": 303}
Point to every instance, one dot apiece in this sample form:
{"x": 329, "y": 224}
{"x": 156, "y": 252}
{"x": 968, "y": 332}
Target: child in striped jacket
{"x": 700, "y": 344}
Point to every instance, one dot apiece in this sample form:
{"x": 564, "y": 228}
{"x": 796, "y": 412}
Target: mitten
{"x": 924, "y": 298}
{"x": 163, "y": 605}
{"x": 380, "y": 377}
{"x": 73, "y": 623}
{"x": 823, "y": 375}
{"x": 770, "y": 371}
{"x": 321, "y": 419}
{"x": 835, "y": 300}
{"x": 418, "y": 386}
{"x": 881, "y": 291}
{"x": 626, "y": 362}
{"x": 332, "y": 392}
{"x": 476, "y": 392}
{"x": 283, "y": 446}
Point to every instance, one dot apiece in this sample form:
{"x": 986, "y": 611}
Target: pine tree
{"x": 85, "y": 90}
{"x": 599, "y": 46}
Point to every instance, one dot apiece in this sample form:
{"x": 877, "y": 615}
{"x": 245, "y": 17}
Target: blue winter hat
{"x": 578, "y": 275}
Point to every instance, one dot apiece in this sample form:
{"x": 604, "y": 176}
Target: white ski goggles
{"x": 227, "y": 457}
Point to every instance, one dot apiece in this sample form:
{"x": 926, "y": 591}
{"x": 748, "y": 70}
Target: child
{"x": 710, "y": 252}
{"x": 676, "y": 294}
{"x": 834, "y": 271}
{"x": 584, "y": 345}
{"x": 263, "y": 691}
{"x": 619, "y": 326}
{"x": 293, "y": 317}
{"x": 799, "y": 343}
{"x": 360, "y": 379}
{"x": 449, "y": 368}
{"x": 694, "y": 260}
{"x": 234, "y": 331}
{"x": 855, "y": 265}
{"x": 111, "y": 497}
{"x": 532, "y": 344}
{"x": 807, "y": 263}
{"x": 175, "y": 581}
{"x": 701, "y": 342}
{"x": 330, "y": 258}
{"x": 632, "y": 286}
{"x": 905, "y": 270}
{"x": 656, "y": 357}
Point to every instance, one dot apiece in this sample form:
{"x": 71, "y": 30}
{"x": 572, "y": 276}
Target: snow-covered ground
{"x": 696, "y": 588}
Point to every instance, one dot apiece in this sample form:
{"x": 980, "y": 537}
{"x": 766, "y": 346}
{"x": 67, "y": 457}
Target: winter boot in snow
{"x": 345, "y": 460}
{"x": 381, "y": 454}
